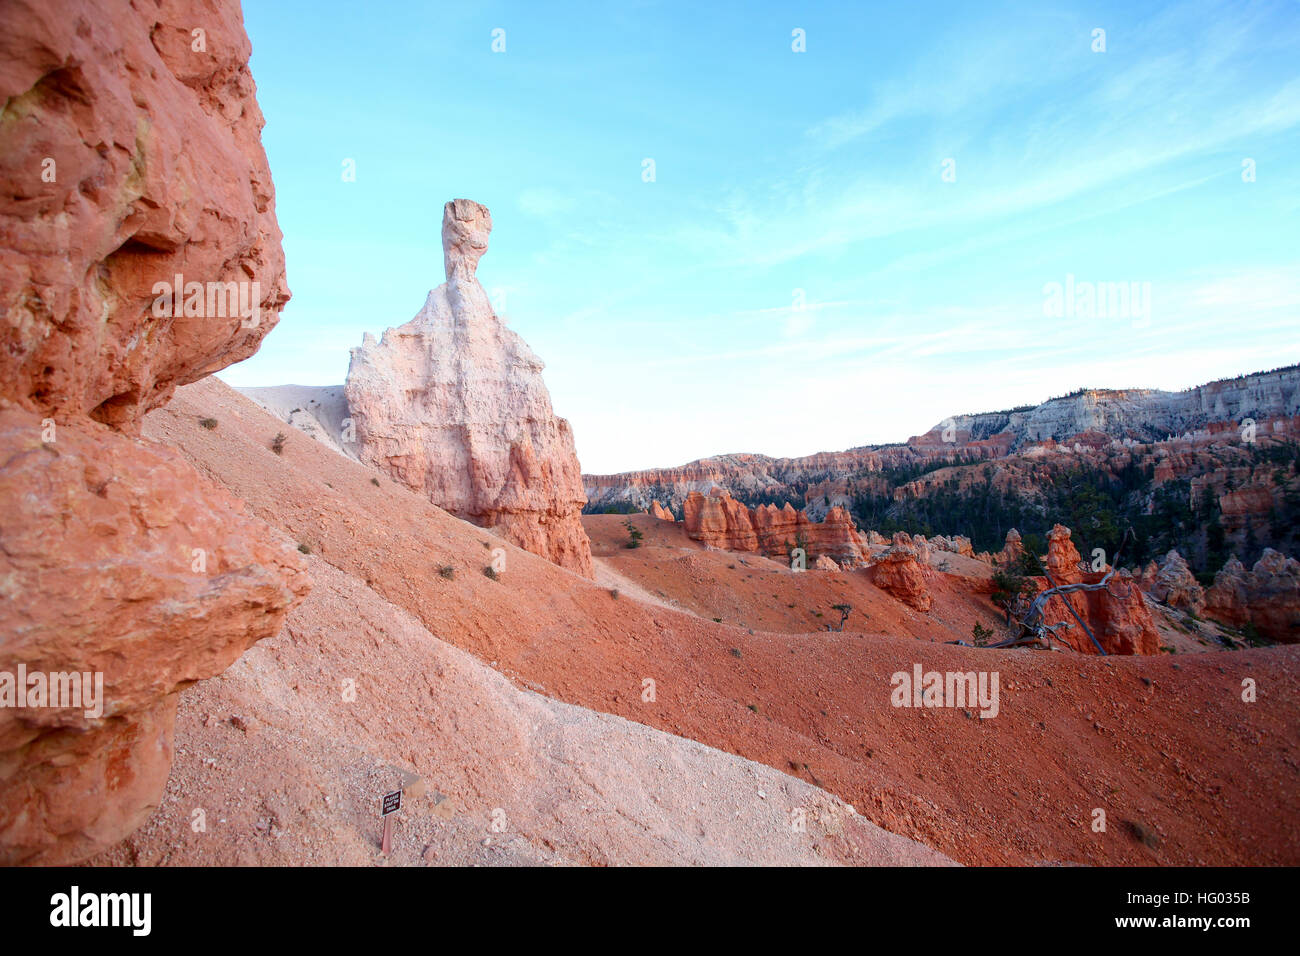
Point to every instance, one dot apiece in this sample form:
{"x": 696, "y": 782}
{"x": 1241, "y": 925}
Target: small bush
{"x": 735, "y": 651}
{"x": 208, "y": 423}
{"x": 491, "y": 572}
{"x": 447, "y": 571}
{"x": 613, "y": 592}
{"x": 375, "y": 482}
{"x": 304, "y": 548}
{"x": 634, "y": 535}
{"x": 980, "y": 634}
{"x": 277, "y": 443}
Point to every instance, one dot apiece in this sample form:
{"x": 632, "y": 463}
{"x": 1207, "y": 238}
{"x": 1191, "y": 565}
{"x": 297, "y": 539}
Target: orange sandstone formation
{"x": 721, "y": 521}
{"x": 118, "y": 561}
{"x": 899, "y": 571}
{"x": 1267, "y": 596}
{"x": 1117, "y": 614}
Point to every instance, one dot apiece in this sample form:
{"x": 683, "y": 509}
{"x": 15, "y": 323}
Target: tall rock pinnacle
{"x": 452, "y": 404}
{"x": 465, "y": 229}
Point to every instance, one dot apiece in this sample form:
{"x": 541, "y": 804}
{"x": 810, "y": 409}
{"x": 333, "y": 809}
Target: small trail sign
{"x": 392, "y": 803}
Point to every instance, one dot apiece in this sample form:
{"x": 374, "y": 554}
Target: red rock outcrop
{"x": 130, "y": 154}
{"x": 1062, "y": 560}
{"x": 1117, "y": 614}
{"x": 452, "y": 404}
{"x": 898, "y": 570}
{"x": 128, "y": 159}
{"x": 1012, "y": 549}
{"x": 721, "y": 521}
{"x": 1174, "y": 584}
{"x": 659, "y": 511}
{"x": 1267, "y": 596}
{"x": 955, "y": 544}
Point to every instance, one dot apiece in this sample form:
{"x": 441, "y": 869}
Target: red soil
{"x": 1162, "y": 743}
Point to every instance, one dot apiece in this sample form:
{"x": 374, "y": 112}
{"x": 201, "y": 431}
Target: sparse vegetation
{"x": 277, "y": 443}
{"x": 1009, "y": 586}
{"x": 375, "y": 482}
{"x": 980, "y": 635}
{"x": 304, "y": 548}
{"x": 208, "y": 423}
{"x": 491, "y": 572}
{"x": 635, "y": 535}
{"x": 613, "y": 592}
{"x": 447, "y": 571}
{"x": 845, "y": 610}
{"x": 735, "y": 652}
{"x": 622, "y": 508}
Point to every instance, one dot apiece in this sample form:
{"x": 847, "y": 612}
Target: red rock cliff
{"x": 130, "y": 155}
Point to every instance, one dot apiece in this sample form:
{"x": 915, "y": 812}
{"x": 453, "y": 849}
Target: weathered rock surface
{"x": 955, "y": 544}
{"x": 660, "y": 512}
{"x": 116, "y": 556}
{"x": 721, "y": 521}
{"x": 1062, "y": 560}
{"x": 158, "y": 171}
{"x": 1267, "y": 596}
{"x": 1141, "y": 414}
{"x": 899, "y": 571}
{"x": 1011, "y": 550}
{"x": 452, "y": 404}
{"x": 1175, "y": 585}
{"x": 1117, "y": 614}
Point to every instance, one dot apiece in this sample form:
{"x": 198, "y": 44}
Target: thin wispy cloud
{"x": 799, "y": 261}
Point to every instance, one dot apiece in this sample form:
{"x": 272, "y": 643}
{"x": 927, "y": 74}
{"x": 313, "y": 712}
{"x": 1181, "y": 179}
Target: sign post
{"x": 392, "y": 803}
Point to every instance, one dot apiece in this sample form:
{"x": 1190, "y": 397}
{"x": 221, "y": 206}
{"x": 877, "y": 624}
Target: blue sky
{"x": 806, "y": 272}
